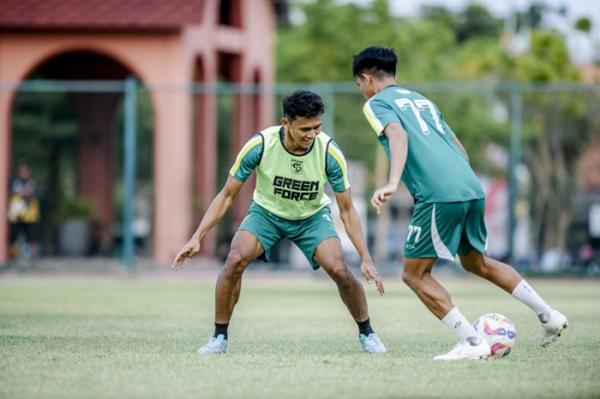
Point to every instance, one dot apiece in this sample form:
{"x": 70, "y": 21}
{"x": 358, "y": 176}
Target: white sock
{"x": 455, "y": 321}
{"x": 524, "y": 293}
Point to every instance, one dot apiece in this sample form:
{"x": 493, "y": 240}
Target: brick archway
{"x": 171, "y": 122}
{"x": 97, "y": 134}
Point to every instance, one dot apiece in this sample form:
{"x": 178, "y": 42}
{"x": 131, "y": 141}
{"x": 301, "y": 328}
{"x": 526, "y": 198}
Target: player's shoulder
{"x": 269, "y": 135}
{"x": 376, "y": 99}
{"x": 324, "y": 138}
{"x": 270, "y": 131}
{"x": 334, "y": 150}
{"x": 393, "y": 92}
{"x": 385, "y": 98}
{"x": 254, "y": 145}
{"x": 334, "y": 147}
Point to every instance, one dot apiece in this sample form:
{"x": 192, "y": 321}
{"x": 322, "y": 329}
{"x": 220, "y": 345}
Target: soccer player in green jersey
{"x": 449, "y": 201}
{"x": 293, "y": 162}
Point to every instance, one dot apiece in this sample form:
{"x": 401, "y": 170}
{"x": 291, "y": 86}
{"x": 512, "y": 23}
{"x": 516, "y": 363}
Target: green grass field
{"x": 120, "y": 337}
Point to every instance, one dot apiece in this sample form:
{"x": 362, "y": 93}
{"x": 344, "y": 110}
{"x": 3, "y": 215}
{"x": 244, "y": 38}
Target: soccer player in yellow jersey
{"x": 293, "y": 162}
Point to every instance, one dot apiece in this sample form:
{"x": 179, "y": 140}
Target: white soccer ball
{"x": 498, "y": 331}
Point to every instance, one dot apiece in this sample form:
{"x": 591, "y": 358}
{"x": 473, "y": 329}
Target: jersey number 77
{"x": 418, "y": 106}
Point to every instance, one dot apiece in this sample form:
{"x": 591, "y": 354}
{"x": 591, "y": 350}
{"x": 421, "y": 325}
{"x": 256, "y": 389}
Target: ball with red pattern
{"x": 498, "y": 331}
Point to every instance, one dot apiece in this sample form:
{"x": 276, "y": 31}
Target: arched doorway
{"x": 73, "y": 140}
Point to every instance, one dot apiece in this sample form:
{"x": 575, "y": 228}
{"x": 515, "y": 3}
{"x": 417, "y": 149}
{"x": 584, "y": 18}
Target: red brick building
{"x": 164, "y": 43}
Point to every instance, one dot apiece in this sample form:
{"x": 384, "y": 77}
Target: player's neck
{"x": 289, "y": 144}
{"x": 380, "y": 84}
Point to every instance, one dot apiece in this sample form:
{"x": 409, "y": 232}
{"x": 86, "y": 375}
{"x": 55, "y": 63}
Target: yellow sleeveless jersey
{"x": 289, "y": 185}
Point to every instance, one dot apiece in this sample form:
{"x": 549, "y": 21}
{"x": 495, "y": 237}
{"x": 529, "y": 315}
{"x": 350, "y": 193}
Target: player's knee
{"x": 407, "y": 278}
{"x": 234, "y": 265}
{"x": 475, "y": 266}
{"x": 411, "y": 279}
{"x": 341, "y": 275}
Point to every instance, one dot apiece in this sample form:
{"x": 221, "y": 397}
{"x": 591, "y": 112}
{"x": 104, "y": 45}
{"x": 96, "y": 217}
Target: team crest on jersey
{"x": 296, "y": 166}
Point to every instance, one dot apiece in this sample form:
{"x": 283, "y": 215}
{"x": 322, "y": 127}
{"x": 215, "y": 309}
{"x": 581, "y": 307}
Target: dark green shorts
{"x": 307, "y": 233}
{"x": 443, "y": 229}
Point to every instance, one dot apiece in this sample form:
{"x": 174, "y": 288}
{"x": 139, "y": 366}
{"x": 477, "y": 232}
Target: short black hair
{"x": 375, "y": 60}
{"x": 303, "y": 103}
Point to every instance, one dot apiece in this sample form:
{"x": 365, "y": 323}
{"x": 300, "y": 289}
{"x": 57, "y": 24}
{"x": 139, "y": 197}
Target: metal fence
{"x": 534, "y": 145}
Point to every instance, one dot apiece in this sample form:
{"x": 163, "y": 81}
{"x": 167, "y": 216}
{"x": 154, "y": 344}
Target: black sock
{"x": 364, "y": 327}
{"x": 221, "y": 329}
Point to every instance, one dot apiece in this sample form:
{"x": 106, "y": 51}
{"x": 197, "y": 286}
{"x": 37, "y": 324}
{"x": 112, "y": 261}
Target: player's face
{"x": 302, "y": 131}
{"x": 365, "y": 83}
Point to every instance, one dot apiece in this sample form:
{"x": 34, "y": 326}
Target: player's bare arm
{"x": 398, "y": 140}
{"x": 353, "y": 227}
{"x": 213, "y": 215}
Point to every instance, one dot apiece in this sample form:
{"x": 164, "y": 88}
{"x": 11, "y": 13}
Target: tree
{"x": 475, "y": 21}
{"x": 583, "y": 24}
{"x": 554, "y": 137}
{"x": 320, "y": 49}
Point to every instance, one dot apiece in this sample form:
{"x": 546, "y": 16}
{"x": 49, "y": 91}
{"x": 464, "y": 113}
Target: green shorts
{"x": 307, "y": 233}
{"x": 443, "y": 229}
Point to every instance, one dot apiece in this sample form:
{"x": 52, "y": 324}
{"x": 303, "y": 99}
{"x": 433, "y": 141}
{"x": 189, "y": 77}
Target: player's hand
{"x": 189, "y": 250}
{"x": 382, "y": 195}
{"x": 370, "y": 273}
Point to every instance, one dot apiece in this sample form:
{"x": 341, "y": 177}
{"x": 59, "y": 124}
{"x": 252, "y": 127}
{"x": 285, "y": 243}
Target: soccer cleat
{"x": 216, "y": 345}
{"x": 553, "y": 328}
{"x": 371, "y": 343}
{"x": 467, "y": 349}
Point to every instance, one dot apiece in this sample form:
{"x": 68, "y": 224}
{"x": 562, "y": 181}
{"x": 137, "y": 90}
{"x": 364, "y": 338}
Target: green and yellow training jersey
{"x": 289, "y": 185}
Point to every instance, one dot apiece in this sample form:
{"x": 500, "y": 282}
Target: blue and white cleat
{"x": 371, "y": 343}
{"x": 215, "y": 346}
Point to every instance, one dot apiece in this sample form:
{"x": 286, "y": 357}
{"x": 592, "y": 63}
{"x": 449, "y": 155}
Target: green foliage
{"x": 321, "y": 48}
{"x": 475, "y": 22}
{"x": 583, "y": 24}
{"x": 548, "y": 60}
{"x": 43, "y": 126}
{"x": 441, "y": 46}
{"x": 439, "y": 14}
{"x": 353, "y": 133}
{"x": 144, "y": 166}
{"x": 556, "y": 130}
{"x": 145, "y": 138}
{"x": 532, "y": 18}
{"x": 74, "y": 208}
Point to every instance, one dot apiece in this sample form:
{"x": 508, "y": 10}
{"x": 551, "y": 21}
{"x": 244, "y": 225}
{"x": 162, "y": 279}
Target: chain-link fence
{"x": 535, "y": 147}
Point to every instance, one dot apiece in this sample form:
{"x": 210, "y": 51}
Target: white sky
{"x": 576, "y": 8}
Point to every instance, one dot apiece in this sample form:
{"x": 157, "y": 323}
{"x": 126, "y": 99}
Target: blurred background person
{"x": 23, "y": 213}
